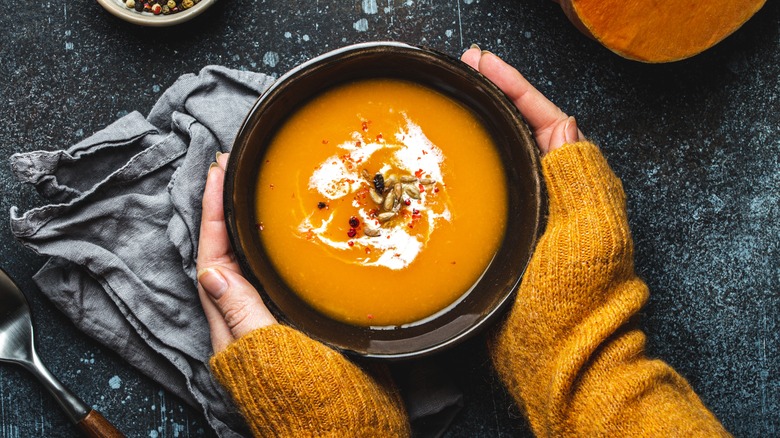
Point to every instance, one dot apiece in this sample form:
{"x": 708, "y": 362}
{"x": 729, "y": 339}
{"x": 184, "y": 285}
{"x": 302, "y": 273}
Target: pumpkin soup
{"x": 381, "y": 202}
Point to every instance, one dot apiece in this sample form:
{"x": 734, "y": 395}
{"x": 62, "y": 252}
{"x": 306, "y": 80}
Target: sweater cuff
{"x": 578, "y": 177}
{"x": 287, "y": 384}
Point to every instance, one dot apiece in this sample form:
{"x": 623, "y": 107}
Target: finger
{"x": 471, "y": 56}
{"x": 222, "y": 160}
{"x": 221, "y": 336}
{"x": 538, "y": 111}
{"x": 236, "y": 299}
{"x": 557, "y": 137}
{"x": 213, "y": 244}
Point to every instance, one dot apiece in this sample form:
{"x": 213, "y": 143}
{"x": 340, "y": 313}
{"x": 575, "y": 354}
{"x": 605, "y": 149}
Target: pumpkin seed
{"x": 389, "y": 201}
{"x": 412, "y": 191}
{"x": 372, "y": 232}
{"x": 408, "y": 179}
{"x": 391, "y": 180}
{"x": 386, "y": 216}
{"x": 366, "y": 175}
{"x": 398, "y": 190}
{"x": 376, "y": 197}
{"x": 427, "y": 181}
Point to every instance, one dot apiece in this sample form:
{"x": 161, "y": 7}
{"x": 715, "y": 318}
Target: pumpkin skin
{"x": 657, "y": 31}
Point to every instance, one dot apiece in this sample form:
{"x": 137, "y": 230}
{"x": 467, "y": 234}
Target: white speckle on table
{"x": 156, "y": 88}
{"x": 468, "y": 2}
{"x": 369, "y": 6}
{"x": 115, "y": 382}
{"x": 306, "y": 38}
{"x": 236, "y": 57}
{"x": 287, "y": 35}
{"x": 153, "y": 434}
{"x": 527, "y": 35}
{"x": 271, "y": 59}
{"x": 448, "y": 33}
{"x": 68, "y": 46}
{"x": 361, "y": 25}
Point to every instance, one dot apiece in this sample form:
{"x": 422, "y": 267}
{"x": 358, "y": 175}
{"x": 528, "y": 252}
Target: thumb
{"x": 236, "y": 299}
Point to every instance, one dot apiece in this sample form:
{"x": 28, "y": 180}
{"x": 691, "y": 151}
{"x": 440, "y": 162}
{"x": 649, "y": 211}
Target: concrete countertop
{"x": 696, "y": 144}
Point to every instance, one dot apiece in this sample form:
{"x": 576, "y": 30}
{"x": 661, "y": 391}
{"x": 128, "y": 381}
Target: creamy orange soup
{"x": 381, "y": 202}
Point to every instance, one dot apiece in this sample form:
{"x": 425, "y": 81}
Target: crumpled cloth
{"x": 122, "y": 235}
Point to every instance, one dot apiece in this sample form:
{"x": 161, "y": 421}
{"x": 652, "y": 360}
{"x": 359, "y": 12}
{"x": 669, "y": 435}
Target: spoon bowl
{"x": 17, "y": 346}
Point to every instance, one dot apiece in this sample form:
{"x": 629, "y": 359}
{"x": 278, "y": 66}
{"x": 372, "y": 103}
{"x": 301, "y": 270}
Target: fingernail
{"x": 485, "y": 52}
{"x": 570, "y": 131}
{"x": 212, "y": 282}
{"x": 218, "y": 155}
{"x": 474, "y": 46}
{"x": 213, "y": 165}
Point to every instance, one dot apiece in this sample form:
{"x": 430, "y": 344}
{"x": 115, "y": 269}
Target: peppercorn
{"x": 352, "y": 233}
{"x": 354, "y": 222}
{"x": 171, "y": 4}
{"x": 130, "y": 4}
{"x": 139, "y": 6}
{"x": 156, "y": 9}
{"x": 321, "y": 205}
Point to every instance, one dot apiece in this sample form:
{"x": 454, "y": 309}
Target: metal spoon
{"x": 16, "y": 346}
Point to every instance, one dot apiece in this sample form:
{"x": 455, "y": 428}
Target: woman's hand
{"x": 232, "y": 305}
{"x": 551, "y": 127}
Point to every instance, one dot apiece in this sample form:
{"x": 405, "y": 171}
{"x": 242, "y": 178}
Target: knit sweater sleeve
{"x": 569, "y": 352}
{"x": 288, "y": 385}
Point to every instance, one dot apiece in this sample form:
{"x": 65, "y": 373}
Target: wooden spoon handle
{"x": 95, "y": 426}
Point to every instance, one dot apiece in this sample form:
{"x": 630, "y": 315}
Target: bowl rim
{"x": 539, "y": 194}
{"x": 117, "y": 9}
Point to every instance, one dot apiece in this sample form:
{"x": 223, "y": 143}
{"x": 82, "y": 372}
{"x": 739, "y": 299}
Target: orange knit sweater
{"x": 569, "y": 351}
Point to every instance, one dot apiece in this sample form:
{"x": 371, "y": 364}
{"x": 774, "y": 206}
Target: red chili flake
{"x": 418, "y": 173}
{"x": 370, "y": 316}
{"x": 351, "y": 243}
{"x": 365, "y": 126}
{"x": 324, "y": 141}
{"x": 272, "y": 186}
{"x": 358, "y": 143}
{"x": 368, "y": 250}
{"x": 421, "y": 187}
{"x": 379, "y": 137}
{"x": 354, "y": 222}
{"x": 416, "y": 212}
{"x": 351, "y": 233}
{"x": 435, "y": 190}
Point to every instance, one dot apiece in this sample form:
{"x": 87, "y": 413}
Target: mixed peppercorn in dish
{"x": 158, "y": 7}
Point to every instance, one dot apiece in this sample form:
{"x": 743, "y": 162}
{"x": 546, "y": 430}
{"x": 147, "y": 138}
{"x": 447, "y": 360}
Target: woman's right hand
{"x": 551, "y": 127}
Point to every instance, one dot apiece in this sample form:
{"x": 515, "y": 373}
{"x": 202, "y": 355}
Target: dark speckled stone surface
{"x": 696, "y": 143}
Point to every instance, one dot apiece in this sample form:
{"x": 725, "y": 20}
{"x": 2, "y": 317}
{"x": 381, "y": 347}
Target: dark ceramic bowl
{"x": 495, "y": 289}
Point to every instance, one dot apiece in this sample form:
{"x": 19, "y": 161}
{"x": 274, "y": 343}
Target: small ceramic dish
{"x": 119, "y": 9}
{"x": 495, "y": 289}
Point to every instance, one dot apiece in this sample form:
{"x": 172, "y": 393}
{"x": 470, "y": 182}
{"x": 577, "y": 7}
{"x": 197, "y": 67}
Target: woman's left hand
{"x": 232, "y": 305}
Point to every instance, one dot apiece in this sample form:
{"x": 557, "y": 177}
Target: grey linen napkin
{"x": 122, "y": 235}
